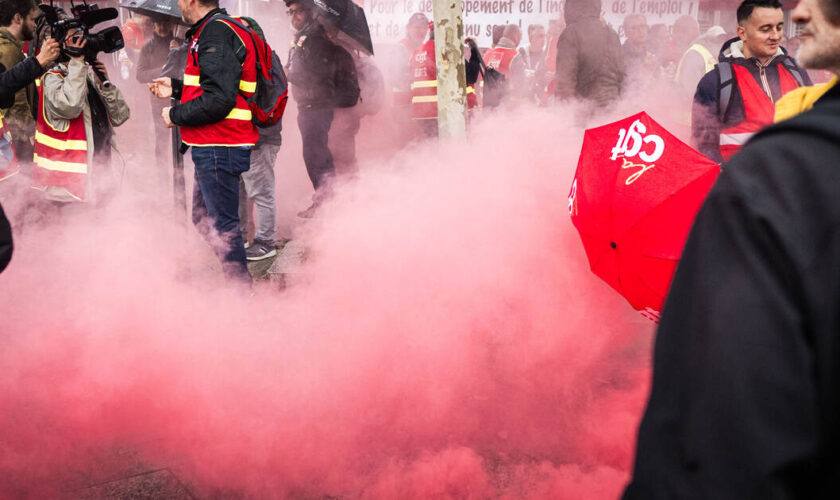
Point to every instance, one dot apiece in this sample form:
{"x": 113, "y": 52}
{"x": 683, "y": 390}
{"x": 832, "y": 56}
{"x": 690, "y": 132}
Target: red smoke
{"x": 444, "y": 339}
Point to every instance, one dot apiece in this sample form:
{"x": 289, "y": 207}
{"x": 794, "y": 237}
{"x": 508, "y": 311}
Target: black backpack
{"x": 269, "y": 100}
{"x": 495, "y": 83}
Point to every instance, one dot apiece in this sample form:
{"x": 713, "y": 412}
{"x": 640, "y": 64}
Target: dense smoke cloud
{"x": 445, "y": 338}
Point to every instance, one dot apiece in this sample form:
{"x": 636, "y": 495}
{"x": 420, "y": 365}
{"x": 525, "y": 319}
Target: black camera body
{"x": 84, "y": 18}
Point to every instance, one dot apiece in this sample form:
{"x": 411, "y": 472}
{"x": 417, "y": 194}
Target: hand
{"x": 166, "y": 119}
{"x": 99, "y": 66}
{"x": 161, "y": 87}
{"x": 49, "y": 52}
{"x": 174, "y": 44}
{"x": 74, "y": 43}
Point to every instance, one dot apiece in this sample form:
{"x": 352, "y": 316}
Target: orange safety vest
{"x": 499, "y": 59}
{"x": 759, "y": 108}
{"x": 60, "y": 154}
{"x": 8, "y": 159}
{"x": 424, "y": 84}
{"x": 236, "y": 128}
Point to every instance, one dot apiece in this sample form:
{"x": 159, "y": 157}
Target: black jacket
{"x": 745, "y": 401}
{"x": 322, "y": 74}
{"x": 152, "y": 58}
{"x": 21, "y": 75}
{"x": 220, "y": 57}
{"x": 706, "y": 124}
{"x": 5, "y": 240}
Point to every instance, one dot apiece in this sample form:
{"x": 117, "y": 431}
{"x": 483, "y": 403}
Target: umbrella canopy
{"x": 350, "y": 21}
{"x": 161, "y": 9}
{"x": 635, "y": 194}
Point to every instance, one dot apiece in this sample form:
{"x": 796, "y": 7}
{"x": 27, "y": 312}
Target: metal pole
{"x": 451, "y": 76}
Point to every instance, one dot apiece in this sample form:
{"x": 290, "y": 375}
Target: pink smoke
{"x": 445, "y": 338}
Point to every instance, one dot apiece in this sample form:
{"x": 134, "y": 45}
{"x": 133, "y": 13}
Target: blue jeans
{"x": 216, "y": 202}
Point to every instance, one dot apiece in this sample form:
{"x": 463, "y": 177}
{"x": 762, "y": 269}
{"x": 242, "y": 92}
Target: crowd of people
{"x": 743, "y": 402}
{"x": 61, "y": 130}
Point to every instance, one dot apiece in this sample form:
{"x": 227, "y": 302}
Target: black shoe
{"x": 260, "y": 250}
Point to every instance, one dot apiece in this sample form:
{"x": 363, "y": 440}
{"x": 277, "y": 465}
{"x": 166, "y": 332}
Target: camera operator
{"x": 74, "y": 133}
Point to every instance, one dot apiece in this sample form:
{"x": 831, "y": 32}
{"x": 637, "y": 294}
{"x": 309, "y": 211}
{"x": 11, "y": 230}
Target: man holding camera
{"x": 215, "y": 121}
{"x": 74, "y": 134}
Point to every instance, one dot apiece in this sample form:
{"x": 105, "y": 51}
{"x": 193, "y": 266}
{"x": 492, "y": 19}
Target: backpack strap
{"x": 726, "y": 84}
{"x": 794, "y": 70}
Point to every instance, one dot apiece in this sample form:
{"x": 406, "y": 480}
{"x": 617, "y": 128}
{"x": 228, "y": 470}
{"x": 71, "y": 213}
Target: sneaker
{"x": 260, "y": 250}
{"x": 309, "y": 212}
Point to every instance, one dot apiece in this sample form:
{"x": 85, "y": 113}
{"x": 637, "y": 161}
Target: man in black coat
{"x": 323, "y": 77}
{"x": 745, "y": 400}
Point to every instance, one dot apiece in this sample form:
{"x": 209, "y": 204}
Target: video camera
{"x": 84, "y": 18}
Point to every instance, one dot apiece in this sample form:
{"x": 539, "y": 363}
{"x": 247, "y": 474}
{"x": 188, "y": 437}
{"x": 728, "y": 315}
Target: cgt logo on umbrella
{"x": 633, "y": 202}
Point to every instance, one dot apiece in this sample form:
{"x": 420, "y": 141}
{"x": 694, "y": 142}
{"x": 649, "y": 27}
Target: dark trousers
{"x": 216, "y": 204}
{"x": 314, "y": 127}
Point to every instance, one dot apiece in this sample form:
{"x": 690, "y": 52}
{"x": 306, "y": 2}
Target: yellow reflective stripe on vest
{"x": 239, "y": 114}
{"x": 60, "y": 166}
{"x": 244, "y": 85}
{"x": 423, "y": 84}
{"x": 424, "y": 98}
{"x": 192, "y": 80}
{"x": 68, "y": 145}
{"x": 470, "y": 90}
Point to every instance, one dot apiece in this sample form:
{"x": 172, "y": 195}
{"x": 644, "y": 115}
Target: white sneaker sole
{"x": 270, "y": 254}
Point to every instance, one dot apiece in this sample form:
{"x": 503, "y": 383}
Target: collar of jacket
{"x": 801, "y": 100}
{"x": 4, "y": 33}
{"x": 735, "y": 50}
{"x": 194, "y": 27}
{"x": 313, "y": 27}
{"x": 505, "y": 43}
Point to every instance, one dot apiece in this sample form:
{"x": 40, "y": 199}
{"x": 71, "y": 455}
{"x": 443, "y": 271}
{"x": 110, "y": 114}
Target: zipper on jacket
{"x": 762, "y": 73}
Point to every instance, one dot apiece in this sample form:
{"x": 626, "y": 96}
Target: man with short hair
{"x": 415, "y": 34}
{"x": 637, "y": 58}
{"x": 745, "y": 401}
{"x": 17, "y": 26}
{"x": 215, "y": 122}
{"x": 737, "y": 99}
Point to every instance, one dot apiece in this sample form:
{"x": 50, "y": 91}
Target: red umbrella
{"x": 636, "y": 192}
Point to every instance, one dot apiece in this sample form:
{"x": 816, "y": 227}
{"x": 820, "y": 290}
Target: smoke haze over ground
{"x": 445, "y": 338}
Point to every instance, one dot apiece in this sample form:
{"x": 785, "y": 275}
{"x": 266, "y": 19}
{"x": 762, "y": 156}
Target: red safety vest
{"x": 60, "y": 154}
{"x": 424, "y": 84}
{"x": 402, "y": 96}
{"x": 8, "y": 159}
{"x": 236, "y": 128}
{"x": 759, "y": 108}
{"x": 499, "y": 59}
